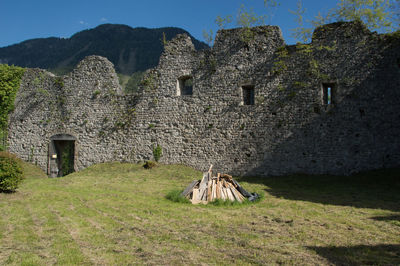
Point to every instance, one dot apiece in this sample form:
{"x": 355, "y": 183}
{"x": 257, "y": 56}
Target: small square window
{"x": 248, "y": 95}
{"x": 185, "y": 86}
{"x": 328, "y": 93}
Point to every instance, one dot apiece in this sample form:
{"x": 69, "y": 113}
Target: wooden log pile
{"x": 210, "y": 188}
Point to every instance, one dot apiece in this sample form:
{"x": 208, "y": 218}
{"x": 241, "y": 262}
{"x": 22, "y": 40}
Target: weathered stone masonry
{"x": 290, "y": 128}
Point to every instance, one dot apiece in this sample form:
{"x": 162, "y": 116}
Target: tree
{"x": 245, "y": 18}
{"x": 300, "y": 32}
{"x": 379, "y": 15}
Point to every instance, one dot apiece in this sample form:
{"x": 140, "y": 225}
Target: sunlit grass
{"x": 119, "y": 214}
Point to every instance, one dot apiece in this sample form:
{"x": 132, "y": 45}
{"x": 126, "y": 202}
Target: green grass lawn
{"x": 117, "y": 214}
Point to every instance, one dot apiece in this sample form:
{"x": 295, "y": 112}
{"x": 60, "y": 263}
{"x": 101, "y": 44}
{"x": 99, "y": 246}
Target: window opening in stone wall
{"x": 328, "y": 91}
{"x": 185, "y": 86}
{"x": 248, "y": 95}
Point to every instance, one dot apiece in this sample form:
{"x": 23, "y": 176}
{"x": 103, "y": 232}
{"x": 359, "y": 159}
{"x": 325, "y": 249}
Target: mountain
{"x": 130, "y": 49}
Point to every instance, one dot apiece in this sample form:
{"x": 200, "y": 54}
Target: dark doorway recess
{"x": 61, "y": 155}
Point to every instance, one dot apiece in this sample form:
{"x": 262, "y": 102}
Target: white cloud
{"x": 103, "y": 20}
{"x": 83, "y": 23}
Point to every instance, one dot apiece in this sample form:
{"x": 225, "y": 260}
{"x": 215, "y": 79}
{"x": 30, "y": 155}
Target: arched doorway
{"x": 61, "y": 155}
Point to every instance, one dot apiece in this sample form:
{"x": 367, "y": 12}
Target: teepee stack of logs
{"x": 210, "y": 188}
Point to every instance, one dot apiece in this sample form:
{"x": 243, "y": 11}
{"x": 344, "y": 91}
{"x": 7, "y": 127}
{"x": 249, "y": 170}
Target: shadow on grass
{"x": 8, "y": 191}
{"x": 361, "y": 255}
{"x": 379, "y": 189}
{"x": 387, "y": 218}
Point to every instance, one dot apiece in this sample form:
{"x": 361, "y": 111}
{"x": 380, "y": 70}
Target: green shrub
{"x": 10, "y": 77}
{"x": 96, "y": 93}
{"x": 157, "y": 152}
{"x": 149, "y": 164}
{"x": 11, "y": 173}
{"x": 221, "y": 202}
{"x": 3, "y": 139}
{"x": 176, "y": 196}
{"x": 59, "y": 82}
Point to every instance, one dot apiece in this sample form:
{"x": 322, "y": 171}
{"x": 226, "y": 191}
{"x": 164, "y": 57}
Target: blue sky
{"x": 27, "y": 19}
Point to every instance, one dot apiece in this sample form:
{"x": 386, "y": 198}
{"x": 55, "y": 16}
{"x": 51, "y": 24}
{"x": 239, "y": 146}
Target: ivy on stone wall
{"x": 279, "y": 65}
{"x": 314, "y": 68}
{"x": 149, "y": 81}
{"x": 10, "y": 78}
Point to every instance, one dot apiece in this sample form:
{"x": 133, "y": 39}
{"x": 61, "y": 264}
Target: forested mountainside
{"x": 129, "y": 49}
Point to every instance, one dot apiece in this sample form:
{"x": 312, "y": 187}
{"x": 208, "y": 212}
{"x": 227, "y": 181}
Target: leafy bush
{"x": 157, "y": 152}
{"x": 149, "y": 164}
{"x": 3, "y": 139}
{"x": 176, "y": 196}
{"x": 59, "y": 82}
{"x": 10, "y": 77}
{"x": 11, "y": 173}
{"x": 96, "y": 93}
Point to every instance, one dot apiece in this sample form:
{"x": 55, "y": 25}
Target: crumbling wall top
{"x": 96, "y": 69}
{"x": 340, "y": 31}
{"x": 95, "y": 64}
{"x": 262, "y": 36}
{"x": 181, "y": 42}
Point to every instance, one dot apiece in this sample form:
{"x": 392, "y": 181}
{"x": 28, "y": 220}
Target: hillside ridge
{"x": 129, "y": 49}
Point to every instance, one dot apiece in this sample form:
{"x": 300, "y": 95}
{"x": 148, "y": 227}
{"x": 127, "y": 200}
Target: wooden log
{"x": 223, "y": 192}
{"x": 203, "y": 195}
{"x": 241, "y": 189}
{"x": 229, "y": 177}
{"x": 189, "y": 188}
{"x": 240, "y": 195}
{"x": 230, "y": 195}
{"x": 218, "y": 192}
{"x": 209, "y": 170}
{"x": 227, "y": 194}
{"x": 213, "y": 195}
{"x": 209, "y": 190}
{"x": 223, "y": 195}
{"x": 203, "y": 186}
{"x": 195, "y": 198}
{"x": 235, "y": 193}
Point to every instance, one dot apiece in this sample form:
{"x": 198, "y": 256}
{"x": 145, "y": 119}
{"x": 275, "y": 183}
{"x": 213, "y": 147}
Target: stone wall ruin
{"x": 256, "y": 106}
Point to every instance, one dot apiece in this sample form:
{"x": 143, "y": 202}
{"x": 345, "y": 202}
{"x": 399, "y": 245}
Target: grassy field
{"x": 117, "y": 214}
